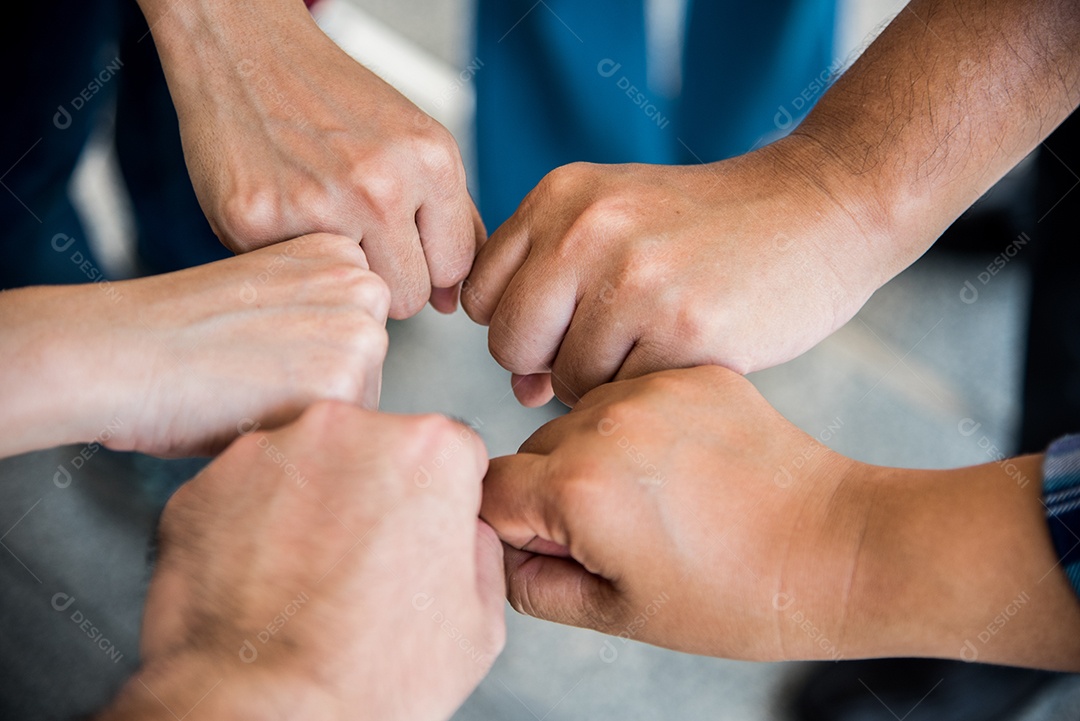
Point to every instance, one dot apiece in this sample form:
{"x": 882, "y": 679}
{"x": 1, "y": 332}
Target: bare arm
{"x": 179, "y": 364}
{"x": 617, "y": 271}
{"x": 284, "y": 134}
{"x": 681, "y": 510}
{"x": 952, "y": 95}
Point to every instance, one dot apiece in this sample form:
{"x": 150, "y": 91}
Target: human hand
{"x": 284, "y": 134}
{"x": 681, "y": 510}
{"x": 662, "y": 506}
{"x": 179, "y": 364}
{"x": 326, "y": 578}
{"x": 612, "y": 272}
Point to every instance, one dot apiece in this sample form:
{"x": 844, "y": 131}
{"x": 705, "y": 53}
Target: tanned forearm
{"x": 951, "y": 96}
{"x": 959, "y": 564}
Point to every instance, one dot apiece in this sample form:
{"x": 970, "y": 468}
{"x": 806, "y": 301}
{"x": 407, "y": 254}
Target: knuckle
{"x": 566, "y": 178}
{"x": 344, "y": 384}
{"x": 663, "y": 384}
{"x": 326, "y": 414}
{"x": 437, "y": 153}
{"x": 343, "y": 278}
{"x": 637, "y": 270}
{"x": 506, "y": 348}
{"x": 429, "y": 434}
{"x": 602, "y": 221}
{"x": 691, "y": 323}
{"x": 620, "y": 412}
{"x": 250, "y": 216}
{"x": 316, "y": 202}
{"x": 611, "y": 211}
{"x": 382, "y": 189}
{"x": 406, "y": 302}
{"x": 368, "y": 291}
{"x": 583, "y": 486}
{"x": 371, "y": 338}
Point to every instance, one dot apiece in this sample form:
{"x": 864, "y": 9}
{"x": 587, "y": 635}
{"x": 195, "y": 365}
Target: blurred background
{"x": 927, "y": 375}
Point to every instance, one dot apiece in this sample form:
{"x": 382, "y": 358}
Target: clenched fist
{"x": 284, "y": 135}
{"x": 180, "y": 364}
{"x": 323, "y": 580}
{"x": 612, "y": 272}
{"x": 680, "y": 509}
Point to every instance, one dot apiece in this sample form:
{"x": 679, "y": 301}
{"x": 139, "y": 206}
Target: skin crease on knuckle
{"x": 438, "y": 155}
{"x": 381, "y": 188}
{"x": 327, "y": 422}
{"x": 250, "y": 218}
{"x": 567, "y": 180}
{"x": 505, "y": 346}
{"x": 363, "y": 289}
{"x": 367, "y": 348}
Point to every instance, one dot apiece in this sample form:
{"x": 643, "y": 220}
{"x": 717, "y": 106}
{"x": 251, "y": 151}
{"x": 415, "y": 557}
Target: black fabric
{"x": 915, "y": 690}
{"x": 1052, "y": 370}
{"x": 74, "y": 63}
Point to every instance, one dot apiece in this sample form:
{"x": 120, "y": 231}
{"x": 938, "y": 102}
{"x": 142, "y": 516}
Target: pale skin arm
{"x": 180, "y": 364}
{"x": 612, "y": 272}
{"x": 685, "y": 493}
{"x": 284, "y": 134}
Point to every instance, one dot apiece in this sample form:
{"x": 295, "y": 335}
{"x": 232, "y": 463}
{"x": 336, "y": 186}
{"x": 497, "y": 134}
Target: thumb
{"x": 518, "y": 501}
{"x": 533, "y": 390}
{"x": 561, "y": 590}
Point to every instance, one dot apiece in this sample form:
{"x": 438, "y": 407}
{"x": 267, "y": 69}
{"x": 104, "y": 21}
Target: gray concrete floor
{"x": 900, "y": 377}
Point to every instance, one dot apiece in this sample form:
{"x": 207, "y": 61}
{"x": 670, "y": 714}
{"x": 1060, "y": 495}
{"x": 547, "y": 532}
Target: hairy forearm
{"x": 949, "y": 97}
{"x": 960, "y": 564}
{"x": 217, "y": 688}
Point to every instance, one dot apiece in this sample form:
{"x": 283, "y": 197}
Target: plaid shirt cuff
{"x": 1061, "y": 494}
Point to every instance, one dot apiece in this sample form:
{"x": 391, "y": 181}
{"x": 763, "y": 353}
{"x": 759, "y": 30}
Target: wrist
{"x": 815, "y": 601}
{"x": 959, "y": 564}
{"x": 225, "y": 689}
{"x": 52, "y": 386}
{"x": 866, "y": 246}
